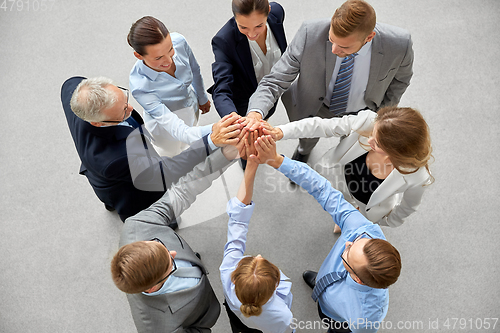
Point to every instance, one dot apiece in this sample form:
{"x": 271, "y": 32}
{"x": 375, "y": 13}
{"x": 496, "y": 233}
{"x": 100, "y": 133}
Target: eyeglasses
{"x": 126, "y": 91}
{"x": 174, "y": 268}
{"x": 348, "y": 248}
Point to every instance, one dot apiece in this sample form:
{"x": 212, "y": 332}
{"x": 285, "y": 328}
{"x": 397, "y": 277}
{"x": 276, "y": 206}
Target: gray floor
{"x": 57, "y": 239}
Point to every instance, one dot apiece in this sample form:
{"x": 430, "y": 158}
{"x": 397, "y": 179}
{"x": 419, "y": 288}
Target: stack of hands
{"x": 250, "y": 138}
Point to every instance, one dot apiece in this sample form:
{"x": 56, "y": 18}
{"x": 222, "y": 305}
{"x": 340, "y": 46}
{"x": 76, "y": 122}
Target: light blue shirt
{"x": 174, "y": 283}
{"x": 345, "y": 300}
{"x": 276, "y": 315}
{"x": 161, "y": 94}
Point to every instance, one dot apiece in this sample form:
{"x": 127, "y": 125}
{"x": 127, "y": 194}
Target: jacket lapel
{"x": 330, "y": 60}
{"x": 243, "y": 52}
{"x": 375, "y": 64}
{"x": 387, "y": 188}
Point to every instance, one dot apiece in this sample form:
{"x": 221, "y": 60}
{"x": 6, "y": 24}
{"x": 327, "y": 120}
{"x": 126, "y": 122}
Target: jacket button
{"x": 321, "y": 98}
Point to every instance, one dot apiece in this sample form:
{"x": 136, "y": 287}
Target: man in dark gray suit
{"x": 165, "y": 281}
{"x": 346, "y": 64}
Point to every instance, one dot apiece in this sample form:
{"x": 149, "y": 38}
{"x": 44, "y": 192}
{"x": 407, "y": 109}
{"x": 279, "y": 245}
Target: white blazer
{"x": 397, "y": 197}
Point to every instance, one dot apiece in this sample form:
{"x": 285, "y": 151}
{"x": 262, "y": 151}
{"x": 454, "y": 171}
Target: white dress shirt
{"x": 262, "y": 63}
{"x": 359, "y": 79}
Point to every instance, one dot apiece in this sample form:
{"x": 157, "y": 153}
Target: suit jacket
{"x": 195, "y": 309}
{"x": 398, "y": 196}
{"x": 105, "y": 162}
{"x": 232, "y": 71}
{"x": 309, "y": 54}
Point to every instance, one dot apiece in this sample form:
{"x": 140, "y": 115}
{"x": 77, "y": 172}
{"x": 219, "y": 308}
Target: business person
{"x": 338, "y": 66}
{"x": 381, "y": 167}
{"x": 257, "y": 294}
{"x": 351, "y": 285}
{"x": 165, "y": 281}
{"x": 245, "y": 50}
{"x": 167, "y": 82}
{"x": 122, "y": 167}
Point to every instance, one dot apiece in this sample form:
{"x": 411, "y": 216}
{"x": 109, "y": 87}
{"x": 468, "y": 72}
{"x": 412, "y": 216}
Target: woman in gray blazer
{"x": 381, "y": 167}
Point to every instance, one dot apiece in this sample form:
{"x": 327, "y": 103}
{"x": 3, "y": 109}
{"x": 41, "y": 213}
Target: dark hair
{"x": 247, "y": 7}
{"x": 146, "y": 31}
{"x": 354, "y": 16}
{"x": 383, "y": 264}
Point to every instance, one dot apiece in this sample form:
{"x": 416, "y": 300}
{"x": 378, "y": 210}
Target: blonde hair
{"x": 139, "y": 266}
{"x": 255, "y": 280}
{"x": 404, "y": 135}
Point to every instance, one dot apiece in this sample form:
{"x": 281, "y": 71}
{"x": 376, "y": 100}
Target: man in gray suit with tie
{"x": 165, "y": 281}
{"x": 346, "y": 64}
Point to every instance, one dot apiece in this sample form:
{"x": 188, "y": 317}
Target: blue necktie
{"x": 340, "y": 94}
{"x": 326, "y": 281}
{"x": 132, "y": 122}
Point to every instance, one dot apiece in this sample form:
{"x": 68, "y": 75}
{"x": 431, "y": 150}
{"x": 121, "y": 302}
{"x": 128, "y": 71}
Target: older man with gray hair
{"x": 117, "y": 158}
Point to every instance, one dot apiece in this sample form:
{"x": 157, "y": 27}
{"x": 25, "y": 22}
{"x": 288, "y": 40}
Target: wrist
{"x": 276, "y": 162}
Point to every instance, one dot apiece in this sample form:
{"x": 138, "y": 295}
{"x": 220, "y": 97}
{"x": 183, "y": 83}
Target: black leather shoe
{"x": 310, "y": 278}
{"x": 109, "y": 208}
{"x": 300, "y": 157}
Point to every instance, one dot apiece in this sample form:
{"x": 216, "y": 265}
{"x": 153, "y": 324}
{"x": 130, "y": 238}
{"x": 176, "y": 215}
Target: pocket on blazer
{"x": 389, "y": 74}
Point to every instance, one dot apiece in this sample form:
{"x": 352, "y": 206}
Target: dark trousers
{"x": 334, "y": 326}
{"x": 236, "y": 325}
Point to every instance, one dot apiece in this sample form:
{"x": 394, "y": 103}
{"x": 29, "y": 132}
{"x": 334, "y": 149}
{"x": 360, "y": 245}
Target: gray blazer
{"x": 194, "y": 309}
{"x": 310, "y": 55}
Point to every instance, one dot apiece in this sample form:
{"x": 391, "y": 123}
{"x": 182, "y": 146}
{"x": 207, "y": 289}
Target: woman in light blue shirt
{"x": 257, "y": 293}
{"x": 166, "y": 81}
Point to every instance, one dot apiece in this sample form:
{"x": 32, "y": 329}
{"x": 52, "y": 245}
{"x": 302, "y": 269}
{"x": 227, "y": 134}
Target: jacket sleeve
{"x": 409, "y": 204}
{"x": 222, "y": 73}
{"x": 323, "y": 128}
{"x": 282, "y": 75}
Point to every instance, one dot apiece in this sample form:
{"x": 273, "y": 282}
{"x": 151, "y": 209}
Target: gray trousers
{"x": 307, "y": 144}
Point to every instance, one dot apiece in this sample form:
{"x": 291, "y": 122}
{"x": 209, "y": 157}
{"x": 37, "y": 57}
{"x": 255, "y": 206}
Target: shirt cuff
{"x": 238, "y": 211}
{"x": 207, "y": 130}
{"x": 257, "y": 110}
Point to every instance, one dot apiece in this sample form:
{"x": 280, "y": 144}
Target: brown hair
{"x": 146, "y": 31}
{"x": 404, "y": 135}
{"x": 383, "y": 264}
{"x": 138, "y": 266}
{"x": 255, "y": 281}
{"x": 247, "y": 7}
{"x": 354, "y": 16}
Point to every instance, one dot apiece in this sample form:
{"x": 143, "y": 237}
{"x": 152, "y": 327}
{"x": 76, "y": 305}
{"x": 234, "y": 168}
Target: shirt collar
{"x": 354, "y": 285}
{"x": 366, "y": 49}
{"x": 150, "y": 73}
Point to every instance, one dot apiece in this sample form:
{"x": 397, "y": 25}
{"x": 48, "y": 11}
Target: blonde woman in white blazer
{"x": 397, "y": 145}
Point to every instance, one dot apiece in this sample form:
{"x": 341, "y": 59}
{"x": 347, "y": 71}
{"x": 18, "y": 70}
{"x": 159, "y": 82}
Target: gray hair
{"x": 91, "y": 97}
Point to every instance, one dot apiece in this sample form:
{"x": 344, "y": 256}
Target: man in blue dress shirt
{"x": 351, "y": 285}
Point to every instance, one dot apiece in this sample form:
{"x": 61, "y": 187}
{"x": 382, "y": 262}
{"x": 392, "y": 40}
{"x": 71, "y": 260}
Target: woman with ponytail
{"x": 257, "y": 293}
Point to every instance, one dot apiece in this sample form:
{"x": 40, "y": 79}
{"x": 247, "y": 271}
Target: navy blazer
{"x": 232, "y": 71}
{"x": 103, "y": 153}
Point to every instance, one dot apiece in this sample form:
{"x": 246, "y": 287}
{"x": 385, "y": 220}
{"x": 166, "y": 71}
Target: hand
{"x": 226, "y": 130}
{"x": 205, "y": 107}
{"x": 275, "y": 132}
{"x": 250, "y": 147}
{"x": 252, "y": 121}
{"x": 266, "y": 152}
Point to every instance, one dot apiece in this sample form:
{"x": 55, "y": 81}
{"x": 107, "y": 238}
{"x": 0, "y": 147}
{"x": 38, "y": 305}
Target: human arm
{"x": 322, "y": 128}
{"x": 410, "y": 201}
{"x": 198, "y": 85}
{"x": 222, "y": 73}
{"x": 281, "y": 77}
{"x": 332, "y": 201}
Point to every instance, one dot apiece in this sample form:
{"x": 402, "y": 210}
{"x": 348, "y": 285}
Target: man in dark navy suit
{"x": 120, "y": 164}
